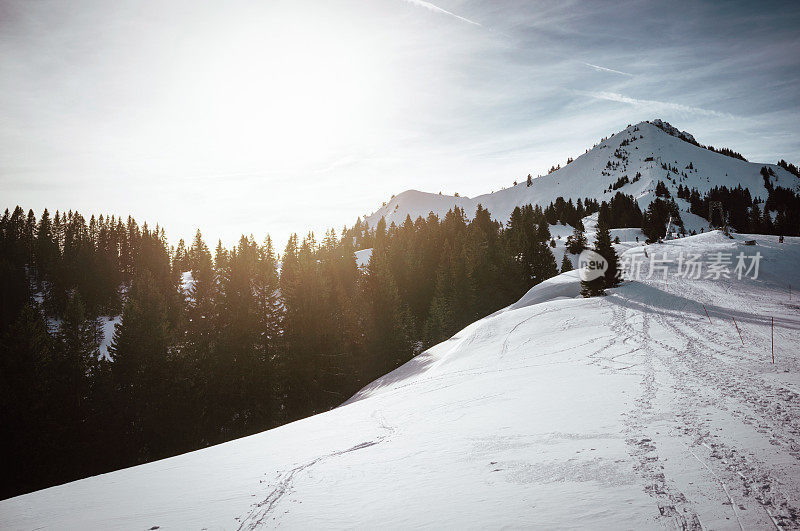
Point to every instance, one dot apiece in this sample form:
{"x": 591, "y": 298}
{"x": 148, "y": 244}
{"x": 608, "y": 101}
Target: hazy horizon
{"x": 285, "y": 117}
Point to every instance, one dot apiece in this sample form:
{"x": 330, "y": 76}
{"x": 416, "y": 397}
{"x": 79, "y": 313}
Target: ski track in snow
{"x": 699, "y": 369}
{"x": 696, "y": 370}
{"x": 266, "y": 508}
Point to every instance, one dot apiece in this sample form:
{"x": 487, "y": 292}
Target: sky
{"x": 272, "y": 116}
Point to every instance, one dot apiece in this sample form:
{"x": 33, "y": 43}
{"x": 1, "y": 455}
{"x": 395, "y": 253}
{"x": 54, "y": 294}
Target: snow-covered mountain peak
{"x": 631, "y": 161}
{"x": 673, "y": 131}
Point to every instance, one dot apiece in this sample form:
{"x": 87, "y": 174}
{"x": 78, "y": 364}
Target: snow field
{"x": 625, "y": 411}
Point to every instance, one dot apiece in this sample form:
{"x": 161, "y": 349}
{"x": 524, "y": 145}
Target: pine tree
{"x": 566, "y": 264}
{"x": 388, "y": 341}
{"x": 46, "y": 248}
{"x": 610, "y": 279}
{"x": 78, "y": 336}
{"x": 766, "y": 222}
{"x": 576, "y": 242}
{"x": 107, "y": 250}
{"x": 220, "y": 256}
{"x": 14, "y": 292}
{"x": 73, "y": 366}
{"x": 380, "y": 233}
{"x": 268, "y": 292}
{"x": 655, "y": 218}
{"x": 240, "y": 363}
{"x": 180, "y": 260}
{"x": 25, "y": 405}
{"x": 140, "y": 351}
{"x": 201, "y": 319}
{"x": 453, "y": 297}
{"x": 754, "y": 220}
{"x": 604, "y": 247}
{"x": 526, "y": 237}
{"x": 782, "y": 227}
{"x": 543, "y": 263}
{"x": 29, "y": 237}
{"x": 593, "y": 287}
{"x": 342, "y": 320}
{"x": 301, "y": 291}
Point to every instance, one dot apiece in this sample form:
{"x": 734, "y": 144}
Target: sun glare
{"x": 275, "y": 95}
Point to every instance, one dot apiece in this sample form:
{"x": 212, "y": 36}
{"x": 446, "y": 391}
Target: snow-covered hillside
{"x": 634, "y": 410}
{"x": 641, "y": 148}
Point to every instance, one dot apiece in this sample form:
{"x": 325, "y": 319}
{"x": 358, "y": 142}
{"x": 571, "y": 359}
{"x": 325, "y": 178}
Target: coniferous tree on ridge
{"x": 610, "y": 279}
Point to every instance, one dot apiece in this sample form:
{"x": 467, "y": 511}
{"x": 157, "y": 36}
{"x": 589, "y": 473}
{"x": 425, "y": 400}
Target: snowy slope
{"x": 589, "y": 176}
{"x": 633, "y": 410}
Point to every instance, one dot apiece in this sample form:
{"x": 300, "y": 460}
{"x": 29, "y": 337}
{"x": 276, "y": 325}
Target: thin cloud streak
{"x": 437, "y": 9}
{"x": 614, "y": 96}
{"x": 610, "y": 70}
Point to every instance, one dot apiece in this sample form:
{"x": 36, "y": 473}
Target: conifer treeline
{"x": 244, "y": 346}
{"x": 779, "y": 214}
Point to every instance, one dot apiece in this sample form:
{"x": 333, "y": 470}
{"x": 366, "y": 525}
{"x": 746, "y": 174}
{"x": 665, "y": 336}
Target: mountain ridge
{"x": 641, "y": 148}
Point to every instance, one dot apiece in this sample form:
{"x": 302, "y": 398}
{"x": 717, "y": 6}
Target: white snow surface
{"x": 109, "y": 326}
{"x": 187, "y": 282}
{"x": 633, "y": 410}
{"x": 584, "y": 178}
{"x": 674, "y": 131}
{"x": 564, "y": 286}
{"x": 363, "y": 256}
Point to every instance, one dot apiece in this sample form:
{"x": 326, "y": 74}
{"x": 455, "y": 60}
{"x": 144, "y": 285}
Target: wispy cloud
{"x": 610, "y": 70}
{"x": 437, "y": 9}
{"x": 614, "y": 96}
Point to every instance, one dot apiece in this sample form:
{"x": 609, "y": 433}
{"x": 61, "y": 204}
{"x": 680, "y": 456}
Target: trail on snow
{"x": 702, "y": 369}
{"x": 262, "y": 510}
